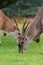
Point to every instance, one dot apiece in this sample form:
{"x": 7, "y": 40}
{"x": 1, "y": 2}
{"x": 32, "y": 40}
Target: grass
{"x": 9, "y": 54}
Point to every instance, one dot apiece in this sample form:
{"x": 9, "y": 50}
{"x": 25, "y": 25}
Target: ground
{"x": 9, "y": 54}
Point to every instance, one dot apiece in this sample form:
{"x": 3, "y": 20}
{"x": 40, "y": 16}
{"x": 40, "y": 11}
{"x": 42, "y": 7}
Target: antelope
{"x": 32, "y": 32}
{"x": 8, "y": 27}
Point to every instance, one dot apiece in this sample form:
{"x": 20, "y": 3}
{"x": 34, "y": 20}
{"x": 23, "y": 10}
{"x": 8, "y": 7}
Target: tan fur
{"x": 6, "y": 22}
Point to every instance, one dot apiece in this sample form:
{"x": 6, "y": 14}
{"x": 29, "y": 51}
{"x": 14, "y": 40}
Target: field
{"x": 9, "y": 54}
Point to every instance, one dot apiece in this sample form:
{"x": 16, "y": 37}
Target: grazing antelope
{"x": 32, "y": 32}
{"x": 7, "y": 26}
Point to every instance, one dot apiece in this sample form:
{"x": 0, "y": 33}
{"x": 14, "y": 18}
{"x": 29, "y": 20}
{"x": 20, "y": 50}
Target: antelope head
{"x": 16, "y": 33}
{"x": 23, "y": 40}
{"x": 12, "y": 29}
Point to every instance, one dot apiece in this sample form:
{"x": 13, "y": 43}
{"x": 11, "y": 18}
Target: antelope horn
{"x": 15, "y": 22}
{"x": 24, "y": 27}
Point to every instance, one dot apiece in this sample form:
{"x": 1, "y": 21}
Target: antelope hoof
{"x": 20, "y": 51}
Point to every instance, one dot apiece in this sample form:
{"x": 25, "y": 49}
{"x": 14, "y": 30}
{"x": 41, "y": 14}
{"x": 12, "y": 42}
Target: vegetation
{"x": 9, "y": 54}
{"x": 26, "y": 8}
{"x": 5, "y": 3}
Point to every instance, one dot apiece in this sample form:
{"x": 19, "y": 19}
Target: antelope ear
{"x": 25, "y": 25}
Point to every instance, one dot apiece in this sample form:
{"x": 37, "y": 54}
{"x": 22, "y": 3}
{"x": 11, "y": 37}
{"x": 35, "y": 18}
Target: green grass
{"x": 9, "y": 54}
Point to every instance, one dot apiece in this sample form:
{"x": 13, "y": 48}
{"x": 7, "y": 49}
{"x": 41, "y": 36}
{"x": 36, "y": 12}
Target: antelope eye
{"x": 22, "y": 42}
{"x": 19, "y": 33}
